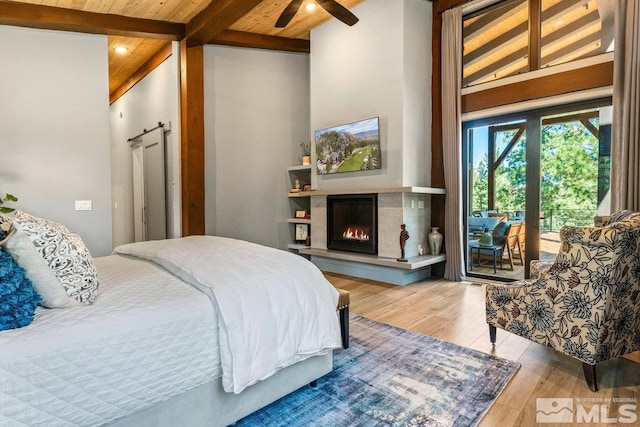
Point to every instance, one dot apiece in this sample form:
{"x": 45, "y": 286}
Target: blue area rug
{"x": 394, "y": 377}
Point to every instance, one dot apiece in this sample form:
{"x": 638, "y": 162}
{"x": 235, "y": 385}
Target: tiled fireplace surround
{"x": 394, "y": 209}
{"x": 396, "y": 206}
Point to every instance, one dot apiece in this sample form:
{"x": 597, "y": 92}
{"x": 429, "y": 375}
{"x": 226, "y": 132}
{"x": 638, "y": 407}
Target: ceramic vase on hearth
{"x": 435, "y": 241}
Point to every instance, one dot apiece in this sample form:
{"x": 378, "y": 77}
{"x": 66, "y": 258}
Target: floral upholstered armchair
{"x": 587, "y": 305}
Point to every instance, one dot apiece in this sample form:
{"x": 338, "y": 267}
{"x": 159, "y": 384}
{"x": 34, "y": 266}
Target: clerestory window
{"x": 516, "y": 36}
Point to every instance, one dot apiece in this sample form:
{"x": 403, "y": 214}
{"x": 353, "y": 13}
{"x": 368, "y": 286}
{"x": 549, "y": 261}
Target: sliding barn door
{"x": 149, "y": 189}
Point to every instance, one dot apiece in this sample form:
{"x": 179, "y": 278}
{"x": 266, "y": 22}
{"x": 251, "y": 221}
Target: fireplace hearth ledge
{"x": 374, "y": 267}
{"x": 417, "y": 190}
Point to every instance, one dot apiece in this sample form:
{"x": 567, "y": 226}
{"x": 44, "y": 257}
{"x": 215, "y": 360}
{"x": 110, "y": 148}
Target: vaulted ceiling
{"x": 495, "y": 42}
{"x": 146, "y": 27}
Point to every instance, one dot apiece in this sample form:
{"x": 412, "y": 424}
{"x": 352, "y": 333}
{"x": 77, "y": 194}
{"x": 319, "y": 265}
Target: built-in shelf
{"x": 299, "y": 168}
{"x": 413, "y": 263}
{"x": 299, "y": 220}
{"x": 299, "y": 175}
{"x": 417, "y": 190}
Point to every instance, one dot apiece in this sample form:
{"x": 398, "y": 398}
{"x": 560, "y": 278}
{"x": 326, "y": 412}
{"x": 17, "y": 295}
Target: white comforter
{"x": 148, "y": 336}
{"x": 274, "y": 308}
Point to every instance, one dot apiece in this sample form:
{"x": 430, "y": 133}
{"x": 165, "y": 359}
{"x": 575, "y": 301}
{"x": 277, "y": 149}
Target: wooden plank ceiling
{"x": 495, "y": 42}
{"x": 145, "y": 27}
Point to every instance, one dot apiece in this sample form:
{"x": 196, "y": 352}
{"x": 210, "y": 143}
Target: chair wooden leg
{"x": 590, "y": 376}
{"x": 344, "y": 326}
{"x": 492, "y": 334}
{"x": 520, "y": 252}
{"x": 510, "y": 256}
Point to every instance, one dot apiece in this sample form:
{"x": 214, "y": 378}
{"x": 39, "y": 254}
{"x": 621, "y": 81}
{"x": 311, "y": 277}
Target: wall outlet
{"x": 420, "y": 204}
{"x": 84, "y": 205}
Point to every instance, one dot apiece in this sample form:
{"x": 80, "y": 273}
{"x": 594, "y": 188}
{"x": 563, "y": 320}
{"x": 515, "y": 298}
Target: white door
{"x": 149, "y": 190}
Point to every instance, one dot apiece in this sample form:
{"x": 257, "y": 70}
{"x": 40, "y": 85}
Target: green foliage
{"x": 480, "y": 191}
{"x": 350, "y": 152}
{"x": 7, "y": 198}
{"x": 357, "y": 161}
{"x": 569, "y": 176}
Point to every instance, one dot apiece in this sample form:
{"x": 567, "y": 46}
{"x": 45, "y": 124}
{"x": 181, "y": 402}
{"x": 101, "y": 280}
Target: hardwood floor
{"x": 455, "y": 312}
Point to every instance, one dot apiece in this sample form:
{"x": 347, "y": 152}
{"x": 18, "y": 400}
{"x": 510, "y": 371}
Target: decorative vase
{"x": 486, "y": 239}
{"x": 306, "y": 160}
{"x": 435, "y": 241}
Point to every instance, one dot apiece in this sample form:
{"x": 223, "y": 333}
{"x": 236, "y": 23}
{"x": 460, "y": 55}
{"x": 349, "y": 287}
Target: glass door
{"x": 496, "y": 193}
{"x": 574, "y": 170}
{"x": 525, "y": 177}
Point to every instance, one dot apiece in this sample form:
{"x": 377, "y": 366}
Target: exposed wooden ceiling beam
{"x": 57, "y": 18}
{"x": 583, "y": 118}
{"x": 566, "y": 31}
{"x": 591, "y": 128}
{"x": 489, "y": 19}
{"x": 496, "y": 67}
{"x": 261, "y": 41}
{"x": 512, "y": 143}
{"x": 215, "y": 18}
{"x": 496, "y": 44}
{"x": 585, "y": 44}
{"x": 561, "y": 8}
{"x": 567, "y": 118}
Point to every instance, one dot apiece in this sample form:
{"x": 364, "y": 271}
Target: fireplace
{"x": 352, "y": 223}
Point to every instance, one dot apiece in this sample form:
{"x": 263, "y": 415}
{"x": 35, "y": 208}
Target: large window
{"x": 516, "y": 36}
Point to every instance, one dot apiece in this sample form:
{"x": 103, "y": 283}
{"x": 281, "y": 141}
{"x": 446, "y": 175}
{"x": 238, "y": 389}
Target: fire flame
{"x": 355, "y": 234}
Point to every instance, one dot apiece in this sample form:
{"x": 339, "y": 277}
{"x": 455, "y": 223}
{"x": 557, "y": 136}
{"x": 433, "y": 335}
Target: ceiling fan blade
{"x": 288, "y": 13}
{"x": 339, "y": 11}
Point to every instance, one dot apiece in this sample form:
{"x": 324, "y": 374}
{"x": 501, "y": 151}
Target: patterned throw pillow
{"x": 55, "y": 260}
{"x": 18, "y": 300}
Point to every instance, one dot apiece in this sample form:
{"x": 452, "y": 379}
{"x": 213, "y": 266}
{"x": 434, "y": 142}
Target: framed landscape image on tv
{"x": 349, "y": 148}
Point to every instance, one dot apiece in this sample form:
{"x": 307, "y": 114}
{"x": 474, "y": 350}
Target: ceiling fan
{"x": 331, "y": 6}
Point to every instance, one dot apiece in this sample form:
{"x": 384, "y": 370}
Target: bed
{"x": 195, "y": 331}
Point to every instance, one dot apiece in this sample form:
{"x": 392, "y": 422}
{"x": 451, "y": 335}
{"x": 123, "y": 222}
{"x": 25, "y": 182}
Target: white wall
{"x": 256, "y": 115}
{"x": 153, "y": 99}
{"x": 417, "y": 93}
{"x": 379, "y": 67}
{"x": 54, "y": 128}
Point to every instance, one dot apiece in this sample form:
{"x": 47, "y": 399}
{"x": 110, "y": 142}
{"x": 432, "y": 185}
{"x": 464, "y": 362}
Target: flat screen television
{"x": 348, "y": 148}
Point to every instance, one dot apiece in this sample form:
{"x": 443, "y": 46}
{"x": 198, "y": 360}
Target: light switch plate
{"x": 84, "y": 205}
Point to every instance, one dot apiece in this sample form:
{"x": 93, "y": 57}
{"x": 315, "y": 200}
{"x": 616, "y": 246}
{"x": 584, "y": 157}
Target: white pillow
{"x": 55, "y": 260}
